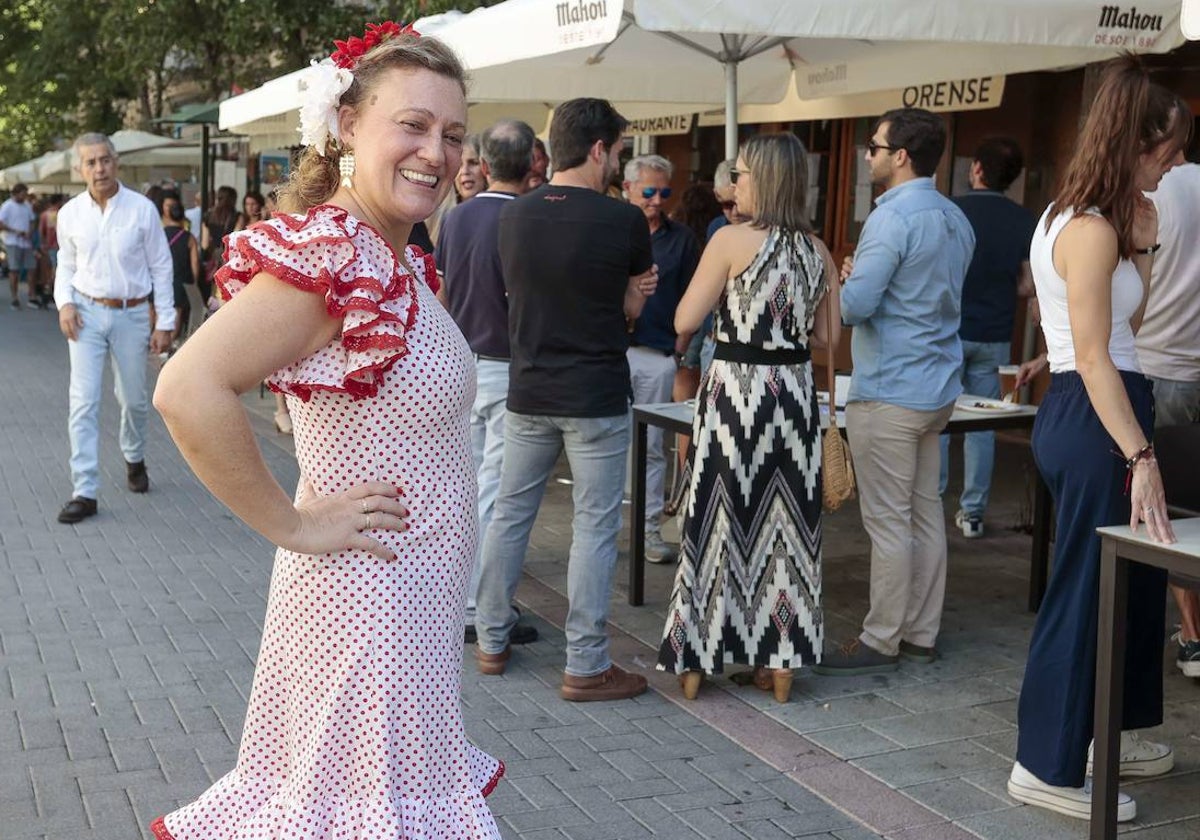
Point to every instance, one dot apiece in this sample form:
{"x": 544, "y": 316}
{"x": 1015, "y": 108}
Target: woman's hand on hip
{"x": 346, "y": 520}
{"x": 1149, "y": 503}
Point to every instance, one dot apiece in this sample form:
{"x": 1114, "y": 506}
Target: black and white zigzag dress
{"x": 748, "y": 589}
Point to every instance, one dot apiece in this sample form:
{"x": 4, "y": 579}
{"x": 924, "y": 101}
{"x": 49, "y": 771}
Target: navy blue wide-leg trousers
{"x": 1075, "y": 456}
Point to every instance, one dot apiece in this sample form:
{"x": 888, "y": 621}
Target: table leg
{"x": 637, "y": 517}
{"x": 1110, "y": 686}
{"x": 1039, "y": 554}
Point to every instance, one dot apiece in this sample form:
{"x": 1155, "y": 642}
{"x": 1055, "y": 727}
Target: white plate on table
{"x": 984, "y": 405}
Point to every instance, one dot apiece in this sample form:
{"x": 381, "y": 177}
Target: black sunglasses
{"x": 648, "y": 192}
{"x": 873, "y": 147}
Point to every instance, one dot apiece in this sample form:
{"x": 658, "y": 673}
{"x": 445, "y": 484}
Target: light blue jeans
{"x": 980, "y": 377}
{"x": 123, "y": 334}
{"x": 595, "y": 448}
{"x": 1176, "y": 403}
{"x": 487, "y": 445}
{"x": 651, "y": 377}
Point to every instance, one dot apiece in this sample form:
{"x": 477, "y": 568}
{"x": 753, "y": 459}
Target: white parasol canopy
{"x": 713, "y": 52}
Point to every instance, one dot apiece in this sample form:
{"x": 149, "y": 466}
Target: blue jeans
{"x": 125, "y": 335}
{"x": 487, "y": 445}
{"x": 980, "y": 377}
{"x": 595, "y": 449}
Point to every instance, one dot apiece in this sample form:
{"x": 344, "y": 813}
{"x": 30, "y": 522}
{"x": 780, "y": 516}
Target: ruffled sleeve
{"x": 329, "y": 252}
{"x": 425, "y": 265}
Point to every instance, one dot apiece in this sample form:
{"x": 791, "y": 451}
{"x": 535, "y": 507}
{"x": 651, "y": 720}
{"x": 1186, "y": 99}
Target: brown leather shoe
{"x": 613, "y": 684}
{"x": 492, "y": 663}
{"x": 76, "y": 510}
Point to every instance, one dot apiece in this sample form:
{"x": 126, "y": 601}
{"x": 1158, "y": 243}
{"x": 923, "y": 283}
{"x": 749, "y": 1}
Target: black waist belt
{"x": 750, "y": 354}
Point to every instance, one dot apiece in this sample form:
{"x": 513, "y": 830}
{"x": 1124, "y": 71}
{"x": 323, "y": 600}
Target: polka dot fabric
{"x": 354, "y": 729}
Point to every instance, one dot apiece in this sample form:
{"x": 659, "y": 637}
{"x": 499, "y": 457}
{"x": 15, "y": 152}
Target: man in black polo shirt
{"x": 468, "y": 256}
{"x": 654, "y": 346}
{"x": 998, "y": 276}
{"x": 577, "y": 264}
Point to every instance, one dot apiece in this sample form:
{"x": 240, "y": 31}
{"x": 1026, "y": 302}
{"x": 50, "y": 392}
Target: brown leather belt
{"x": 116, "y": 303}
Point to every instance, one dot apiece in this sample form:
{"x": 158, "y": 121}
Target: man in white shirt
{"x": 1168, "y": 346}
{"x": 17, "y": 221}
{"x": 113, "y": 261}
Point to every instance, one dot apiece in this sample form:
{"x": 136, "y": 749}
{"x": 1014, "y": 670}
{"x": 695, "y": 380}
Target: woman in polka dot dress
{"x": 354, "y": 728}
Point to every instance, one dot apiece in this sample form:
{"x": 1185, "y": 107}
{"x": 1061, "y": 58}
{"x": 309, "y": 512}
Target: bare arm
{"x": 1025, "y": 287}
{"x": 707, "y": 283}
{"x": 268, "y": 326}
{"x": 194, "y": 257}
{"x": 820, "y": 335}
{"x": 640, "y": 287}
{"x": 1085, "y": 255}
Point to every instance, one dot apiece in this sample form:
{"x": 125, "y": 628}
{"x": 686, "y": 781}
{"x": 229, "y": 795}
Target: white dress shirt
{"x": 18, "y": 218}
{"x": 118, "y": 252}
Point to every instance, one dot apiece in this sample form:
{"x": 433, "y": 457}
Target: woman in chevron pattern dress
{"x": 748, "y": 588}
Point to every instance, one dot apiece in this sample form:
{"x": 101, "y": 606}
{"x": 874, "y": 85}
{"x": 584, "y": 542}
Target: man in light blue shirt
{"x": 902, "y": 295}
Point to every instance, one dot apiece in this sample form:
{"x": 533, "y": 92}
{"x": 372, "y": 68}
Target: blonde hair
{"x": 779, "y": 164}
{"x": 315, "y": 177}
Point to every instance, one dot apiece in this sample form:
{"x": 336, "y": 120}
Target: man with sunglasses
{"x": 902, "y": 295}
{"x": 654, "y": 348}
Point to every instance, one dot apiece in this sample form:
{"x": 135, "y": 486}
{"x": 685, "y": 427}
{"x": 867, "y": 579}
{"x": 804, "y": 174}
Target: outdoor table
{"x": 1119, "y": 547}
{"x": 677, "y": 417}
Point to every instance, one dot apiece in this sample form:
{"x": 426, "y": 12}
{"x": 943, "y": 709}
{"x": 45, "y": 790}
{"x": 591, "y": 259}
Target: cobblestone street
{"x": 127, "y": 647}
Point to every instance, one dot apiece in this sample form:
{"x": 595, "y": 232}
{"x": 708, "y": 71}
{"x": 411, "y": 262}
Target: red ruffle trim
{"x": 356, "y": 298}
{"x": 492, "y": 782}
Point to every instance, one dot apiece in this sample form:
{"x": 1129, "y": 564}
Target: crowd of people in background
{"x": 578, "y": 294}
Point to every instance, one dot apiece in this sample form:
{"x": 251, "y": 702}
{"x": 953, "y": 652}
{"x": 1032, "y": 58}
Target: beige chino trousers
{"x": 897, "y": 461}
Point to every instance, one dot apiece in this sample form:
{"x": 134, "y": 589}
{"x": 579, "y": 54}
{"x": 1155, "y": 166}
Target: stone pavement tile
{"x": 546, "y": 818}
{"x": 927, "y": 764}
{"x": 852, "y": 741}
{"x": 1003, "y": 744}
{"x": 709, "y": 825}
{"x": 840, "y": 711}
{"x": 105, "y": 808}
{"x": 1167, "y": 798}
{"x": 1026, "y": 823}
{"x": 1185, "y": 830}
{"x": 855, "y": 834}
{"x": 614, "y": 828}
{"x": 540, "y": 792}
{"x": 954, "y": 798}
{"x": 949, "y": 694}
{"x": 937, "y": 727}
{"x": 1003, "y": 709}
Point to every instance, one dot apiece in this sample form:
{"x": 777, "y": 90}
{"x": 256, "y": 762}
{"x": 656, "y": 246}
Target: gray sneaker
{"x": 657, "y": 549}
{"x": 853, "y": 659}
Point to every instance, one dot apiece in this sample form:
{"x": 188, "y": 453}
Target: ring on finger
{"x": 363, "y": 505}
{"x": 367, "y": 526}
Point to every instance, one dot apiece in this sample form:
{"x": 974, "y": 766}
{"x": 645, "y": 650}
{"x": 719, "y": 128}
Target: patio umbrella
{"x": 25, "y": 172}
{"x": 708, "y": 52}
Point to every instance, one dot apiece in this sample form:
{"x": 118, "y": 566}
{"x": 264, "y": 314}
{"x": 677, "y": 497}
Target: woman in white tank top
{"x": 1091, "y": 255}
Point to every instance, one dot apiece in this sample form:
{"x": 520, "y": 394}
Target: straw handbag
{"x": 838, "y": 479}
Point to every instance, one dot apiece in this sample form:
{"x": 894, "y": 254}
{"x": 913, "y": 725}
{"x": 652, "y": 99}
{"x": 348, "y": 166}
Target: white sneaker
{"x": 971, "y": 524}
{"x": 657, "y": 550}
{"x": 1076, "y": 802}
{"x": 1140, "y": 758}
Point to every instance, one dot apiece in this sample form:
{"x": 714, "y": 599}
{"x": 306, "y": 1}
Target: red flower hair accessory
{"x": 349, "y": 52}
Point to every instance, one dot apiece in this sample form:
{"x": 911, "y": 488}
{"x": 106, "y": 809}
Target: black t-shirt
{"x": 468, "y": 257}
{"x": 1003, "y": 230}
{"x": 567, "y": 255}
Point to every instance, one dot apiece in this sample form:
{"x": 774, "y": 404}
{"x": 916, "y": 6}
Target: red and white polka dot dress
{"x": 354, "y": 729}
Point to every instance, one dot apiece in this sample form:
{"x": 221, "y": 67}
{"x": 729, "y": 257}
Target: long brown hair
{"x": 315, "y": 177}
{"x": 1130, "y": 116}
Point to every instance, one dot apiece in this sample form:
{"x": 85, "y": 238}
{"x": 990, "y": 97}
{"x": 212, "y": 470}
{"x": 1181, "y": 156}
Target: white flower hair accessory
{"x": 323, "y": 85}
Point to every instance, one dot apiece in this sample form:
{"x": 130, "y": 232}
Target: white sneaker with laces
{"x": 657, "y": 549}
{"x": 1075, "y": 802}
{"x": 1140, "y": 758}
{"x": 970, "y": 524}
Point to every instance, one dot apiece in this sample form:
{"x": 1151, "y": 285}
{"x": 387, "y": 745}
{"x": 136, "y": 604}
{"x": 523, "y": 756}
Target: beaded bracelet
{"x": 1148, "y": 250}
{"x": 1146, "y": 453}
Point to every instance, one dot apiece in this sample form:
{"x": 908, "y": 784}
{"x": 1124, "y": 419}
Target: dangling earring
{"x": 346, "y": 168}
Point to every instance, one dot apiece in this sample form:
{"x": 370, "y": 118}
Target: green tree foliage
{"x": 67, "y": 66}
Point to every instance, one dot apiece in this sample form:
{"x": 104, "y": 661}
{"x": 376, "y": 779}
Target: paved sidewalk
{"x": 127, "y": 647}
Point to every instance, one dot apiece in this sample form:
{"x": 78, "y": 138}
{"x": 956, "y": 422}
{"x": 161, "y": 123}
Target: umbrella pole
{"x": 731, "y": 110}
